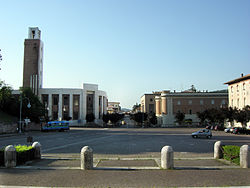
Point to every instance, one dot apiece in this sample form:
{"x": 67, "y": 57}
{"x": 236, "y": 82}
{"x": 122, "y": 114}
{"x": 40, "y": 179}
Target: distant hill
{"x": 125, "y": 110}
{"x": 6, "y": 118}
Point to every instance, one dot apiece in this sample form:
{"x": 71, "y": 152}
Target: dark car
{"x": 203, "y": 133}
{"x": 239, "y": 130}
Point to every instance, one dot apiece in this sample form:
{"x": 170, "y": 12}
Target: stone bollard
{"x": 10, "y": 156}
{"x": 244, "y": 156}
{"x": 37, "y": 147}
{"x": 218, "y": 152}
{"x": 167, "y": 157}
{"x": 86, "y": 158}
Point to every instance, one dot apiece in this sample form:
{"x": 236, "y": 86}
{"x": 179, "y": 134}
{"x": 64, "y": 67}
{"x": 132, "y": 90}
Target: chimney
{"x": 241, "y": 74}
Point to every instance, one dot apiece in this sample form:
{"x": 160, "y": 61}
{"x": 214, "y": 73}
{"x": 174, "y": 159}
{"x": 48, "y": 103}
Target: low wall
{"x": 8, "y": 128}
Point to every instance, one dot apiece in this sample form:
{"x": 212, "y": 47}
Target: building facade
{"x": 189, "y": 103}
{"x": 239, "y": 93}
{"x": 148, "y": 102}
{"x": 114, "y": 107}
{"x": 60, "y": 104}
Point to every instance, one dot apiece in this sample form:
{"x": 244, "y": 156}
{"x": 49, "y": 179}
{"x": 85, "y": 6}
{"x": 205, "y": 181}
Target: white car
{"x": 203, "y": 133}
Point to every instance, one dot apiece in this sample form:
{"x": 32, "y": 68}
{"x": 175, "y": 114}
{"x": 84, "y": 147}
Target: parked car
{"x": 239, "y": 130}
{"x": 203, "y": 133}
{"x": 232, "y": 129}
{"x": 227, "y": 130}
{"x": 219, "y": 128}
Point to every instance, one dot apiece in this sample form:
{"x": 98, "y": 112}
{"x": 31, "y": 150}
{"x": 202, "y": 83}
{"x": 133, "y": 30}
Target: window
{"x": 238, "y": 102}
{"x": 151, "y": 100}
{"x": 55, "y": 99}
{"x": 212, "y": 101}
{"x": 237, "y": 88}
{"x": 232, "y": 102}
{"x": 232, "y": 90}
{"x": 244, "y": 86}
{"x": 190, "y": 102}
{"x": 190, "y": 111}
{"x": 65, "y": 100}
{"x": 223, "y": 102}
{"x": 178, "y": 102}
{"x": 201, "y": 102}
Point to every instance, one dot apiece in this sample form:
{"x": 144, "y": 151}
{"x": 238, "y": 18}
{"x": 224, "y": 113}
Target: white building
{"x": 61, "y": 103}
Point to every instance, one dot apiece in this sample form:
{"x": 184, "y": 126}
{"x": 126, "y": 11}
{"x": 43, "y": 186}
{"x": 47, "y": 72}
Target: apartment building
{"x": 114, "y": 107}
{"x": 239, "y": 93}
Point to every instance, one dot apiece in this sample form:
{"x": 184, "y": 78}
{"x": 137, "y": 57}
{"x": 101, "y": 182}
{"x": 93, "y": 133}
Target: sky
{"x": 129, "y": 47}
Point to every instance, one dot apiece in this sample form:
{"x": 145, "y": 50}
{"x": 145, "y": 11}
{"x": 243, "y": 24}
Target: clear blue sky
{"x": 129, "y": 47}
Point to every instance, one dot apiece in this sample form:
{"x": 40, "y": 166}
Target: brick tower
{"x": 33, "y": 60}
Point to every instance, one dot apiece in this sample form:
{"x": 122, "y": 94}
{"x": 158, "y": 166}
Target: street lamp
{"x": 28, "y": 106}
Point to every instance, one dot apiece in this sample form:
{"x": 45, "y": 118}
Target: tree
{"x": 105, "y": 118}
{"x": 139, "y": 117}
{"x": 179, "y": 116}
{"x": 202, "y": 116}
{"x": 243, "y": 116}
{"x": 5, "y": 94}
{"x": 230, "y": 114}
{"x": 37, "y": 109}
{"x": 152, "y": 118}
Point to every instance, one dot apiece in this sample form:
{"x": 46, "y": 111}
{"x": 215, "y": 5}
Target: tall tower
{"x": 33, "y": 60}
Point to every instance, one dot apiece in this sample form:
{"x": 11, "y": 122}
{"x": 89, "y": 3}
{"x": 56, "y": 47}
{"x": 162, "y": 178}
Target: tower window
{"x": 33, "y": 34}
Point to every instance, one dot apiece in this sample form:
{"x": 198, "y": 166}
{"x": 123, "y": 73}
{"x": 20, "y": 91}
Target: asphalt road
{"x": 125, "y": 142}
{"x": 142, "y": 142}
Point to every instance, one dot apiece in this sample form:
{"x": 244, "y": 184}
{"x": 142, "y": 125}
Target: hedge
{"x": 23, "y": 154}
{"x": 232, "y": 153}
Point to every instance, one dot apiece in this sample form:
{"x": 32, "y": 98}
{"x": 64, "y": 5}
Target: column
{"x": 60, "y": 107}
{"x": 170, "y": 106}
{"x": 83, "y": 108}
{"x": 50, "y": 106}
{"x": 157, "y": 105}
{"x": 71, "y": 105}
{"x": 96, "y": 105}
{"x": 164, "y": 103}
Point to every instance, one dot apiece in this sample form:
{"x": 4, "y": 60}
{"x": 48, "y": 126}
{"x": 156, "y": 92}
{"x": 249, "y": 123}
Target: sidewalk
{"x": 125, "y": 172}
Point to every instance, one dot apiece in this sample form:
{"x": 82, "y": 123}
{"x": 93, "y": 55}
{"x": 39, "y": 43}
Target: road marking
{"x": 75, "y": 143}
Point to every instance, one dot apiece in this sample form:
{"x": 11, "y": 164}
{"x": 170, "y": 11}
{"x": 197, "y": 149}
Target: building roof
{"x": 239, "y": 79}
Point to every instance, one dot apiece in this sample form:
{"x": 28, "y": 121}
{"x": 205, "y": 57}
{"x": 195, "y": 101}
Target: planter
{"x": 23, "y": 157}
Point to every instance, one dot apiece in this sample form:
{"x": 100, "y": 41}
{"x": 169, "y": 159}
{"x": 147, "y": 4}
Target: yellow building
{"x": 239, "y": 93}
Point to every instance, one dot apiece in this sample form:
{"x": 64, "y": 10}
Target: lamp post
{"x": 21, "y": 103}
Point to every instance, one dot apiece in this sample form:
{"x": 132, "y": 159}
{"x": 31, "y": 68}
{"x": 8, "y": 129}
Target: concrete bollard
{"x": 37, "y": 147}
{"x": 244, "y": 156}
{"x": 218, "y": 152}
{"x": 167, "y": 157}
{"x": 10, "y": 156}
{"x": 86, "y": 158}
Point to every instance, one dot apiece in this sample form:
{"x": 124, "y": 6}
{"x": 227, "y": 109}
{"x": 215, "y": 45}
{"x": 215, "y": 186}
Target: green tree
{"x": 179, "y": 116}
{"x": 5, "y": 95}
{"x": 139, "y": 117}
{"x": 243, "y": 116}
{"x": 202, "y": 116}
{"x": 152, "y": 118}
{"x": 230, "y": 114}
{"x": 37, "y": 109}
